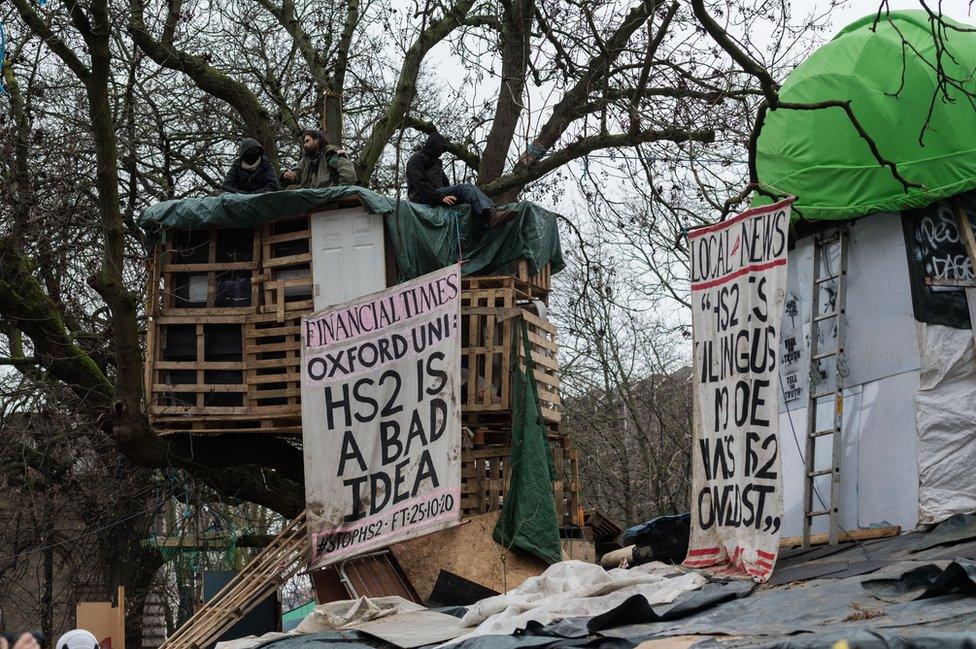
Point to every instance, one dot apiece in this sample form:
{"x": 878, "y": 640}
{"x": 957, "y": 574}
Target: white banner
{"x": 381, "y": 417}
{"x": 738, "y": 291}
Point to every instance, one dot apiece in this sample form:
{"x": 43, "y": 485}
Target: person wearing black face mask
{"x": 428, "y": 184}
{"x": 251, "y": 172}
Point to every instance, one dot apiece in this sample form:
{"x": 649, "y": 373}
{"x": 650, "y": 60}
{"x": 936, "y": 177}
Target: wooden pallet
{"x": 526, "y": 285}
{"x": 283, "y": 558}
{"x": 486, "y": 474}
{"x": 491, "y": 320}
{"x": 286, "y": 261}
{"x": 258, "y": 389}
{"x": 198, "y": 267}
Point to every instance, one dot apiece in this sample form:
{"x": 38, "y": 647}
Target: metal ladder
{"x": 823, "y": 273}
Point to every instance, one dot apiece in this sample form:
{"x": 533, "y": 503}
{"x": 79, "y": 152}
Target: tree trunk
{"x": 514, "y": 48}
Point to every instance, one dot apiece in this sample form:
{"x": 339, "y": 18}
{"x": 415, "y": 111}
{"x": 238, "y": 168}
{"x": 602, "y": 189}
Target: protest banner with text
{"x": 381, "y": 418}
{"x": 738, "y": 291}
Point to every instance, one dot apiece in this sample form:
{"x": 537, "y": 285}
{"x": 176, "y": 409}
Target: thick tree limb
{"x": 595, "y": 72}
{"x": 212, "y": 81}
{"x": 521, "y": 176}
{"x": 515, "y": 39}
{"x": 770, "y": 88}
{"x": 406, "y": 86}
{"x": 25, "y": 305}
{"x": 43, "y": 30}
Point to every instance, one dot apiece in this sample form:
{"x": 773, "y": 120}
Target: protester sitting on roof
{"x": 322, "y": 164}
{"x": 251, "y": 172}
{"x": 428, "y": 184}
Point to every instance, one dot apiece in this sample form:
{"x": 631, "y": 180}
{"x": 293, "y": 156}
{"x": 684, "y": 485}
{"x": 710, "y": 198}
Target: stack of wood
{"x": 494, "y": 310}
{"x": 224, "y": 349}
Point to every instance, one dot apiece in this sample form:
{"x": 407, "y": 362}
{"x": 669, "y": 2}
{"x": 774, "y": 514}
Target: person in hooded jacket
{"x": 322, "y": 164}
{"x": 428, "y": 184}
{"x": 251, "y": 172}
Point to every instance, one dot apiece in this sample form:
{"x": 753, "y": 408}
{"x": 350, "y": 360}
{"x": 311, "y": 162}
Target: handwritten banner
{"x": 738, "y": 291}
{"x": 381, "y": 417}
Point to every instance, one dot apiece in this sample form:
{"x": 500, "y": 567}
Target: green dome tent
{"x": 819, "y": 157}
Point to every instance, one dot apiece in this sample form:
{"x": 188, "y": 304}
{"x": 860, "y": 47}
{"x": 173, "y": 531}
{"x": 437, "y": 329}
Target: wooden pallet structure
{"x": 486, "y": 475}
{"x": 278, "y": 562}
{"x": 224, "y": 347}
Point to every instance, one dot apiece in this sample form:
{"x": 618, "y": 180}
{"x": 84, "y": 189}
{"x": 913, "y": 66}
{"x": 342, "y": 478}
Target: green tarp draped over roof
{"x": 818, "y": 156}
{"x": 528, "y": 518}
{"x": 424, "y": 238}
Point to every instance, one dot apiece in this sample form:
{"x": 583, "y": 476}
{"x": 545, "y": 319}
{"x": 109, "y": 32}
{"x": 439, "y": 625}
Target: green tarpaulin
{"x": 818, "y": 156}
{"x": 528, "y": 518}
{"x": 424, "y": 238}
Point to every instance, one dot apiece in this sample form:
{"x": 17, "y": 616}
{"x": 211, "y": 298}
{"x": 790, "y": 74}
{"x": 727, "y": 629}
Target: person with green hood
{"x": 321, "y": 165}
{"x": 252, "y": 172}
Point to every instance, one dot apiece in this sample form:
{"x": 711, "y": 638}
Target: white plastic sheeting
{"x": 880, "y": 320}
{"x": 576, "y": 589}
{"x": 347, "y": 614}
{"x": 879, "y": 479}
{"x": 945, "y": 412}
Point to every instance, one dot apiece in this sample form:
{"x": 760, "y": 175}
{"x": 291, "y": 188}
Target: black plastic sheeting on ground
{"x": 952, "y": 539}
{"x": 925, "y": 581}
{"x": 539, "y": 637}
{"x": 864, "y": 639}
{"x": 956, "y": 528}
{"x": 824, "y": 604}
{"x": 323, "y": 639}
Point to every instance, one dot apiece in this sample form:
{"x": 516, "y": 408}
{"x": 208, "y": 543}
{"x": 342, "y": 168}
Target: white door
{"x": 348, "y": 255}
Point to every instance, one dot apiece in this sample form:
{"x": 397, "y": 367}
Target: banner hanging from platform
{"x": 381, "y": 417}
{"x": 738, "y": 293}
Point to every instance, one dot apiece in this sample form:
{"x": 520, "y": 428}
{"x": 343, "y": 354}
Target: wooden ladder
{"x": 271, "y": 567}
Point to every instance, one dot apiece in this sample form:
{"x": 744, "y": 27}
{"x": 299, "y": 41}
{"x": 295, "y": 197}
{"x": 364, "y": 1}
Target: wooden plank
{"x": 275, "y": 394}
{"x": 210, "y": 266}
{"x": 291, "y": 260}
{"x": 273, "y": 565}
{"x": 193, "y": 365}
{"x": 861, "y": 534}
{"x": 201, "y": 355}
{"x": 278, "y": 347}
{"x": 203, "y": 316}
{"x": 199, "y": 388}
{"x": 193, "y": 313}
{"x": 287, "y": 236}
{"x": 277, "y": 378}
{"x": 284, "y": 330}
{"x": 198, "y": 411}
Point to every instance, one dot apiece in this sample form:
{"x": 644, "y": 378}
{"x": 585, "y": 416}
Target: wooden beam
{"x": 862, "y": 534}
{"x": 191, "y": 543}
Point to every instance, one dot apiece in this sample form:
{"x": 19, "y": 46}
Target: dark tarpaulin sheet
{"x": 528, "y": 517}
{"x": 818, "y": 606}
{"x": 424, "y": 238}
{"x": 865, "y": 639}
{"x": 955, "y": 529}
